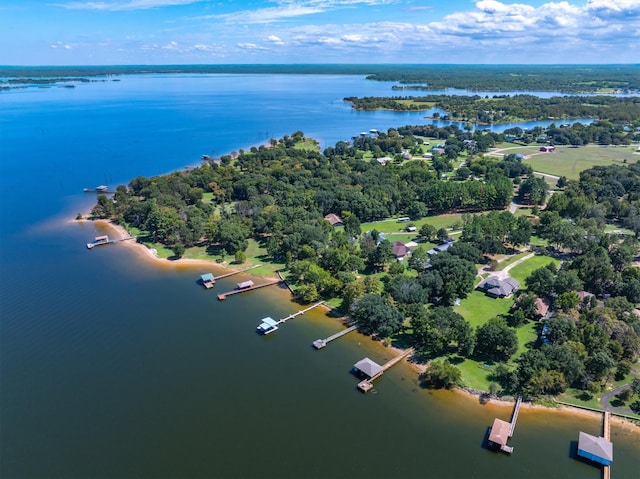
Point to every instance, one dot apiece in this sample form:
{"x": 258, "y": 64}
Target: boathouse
{"x": 367, "y": 367}
{"x": 597, "y": 449}
{"x": 245, "y": 284}
{"x": 499, "y": 434}
{"x": 207, "y": 280}
{"x": 268, "y": 325}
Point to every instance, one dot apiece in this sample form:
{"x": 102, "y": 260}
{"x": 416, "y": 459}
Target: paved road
{"x": 606, "y": 397}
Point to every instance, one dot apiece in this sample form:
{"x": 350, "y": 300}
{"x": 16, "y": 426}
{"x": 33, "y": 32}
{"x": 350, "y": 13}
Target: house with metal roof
{"x": 498, "y": 288}
{"x": 367, "y": 367}
{"x": 596, "y": 449}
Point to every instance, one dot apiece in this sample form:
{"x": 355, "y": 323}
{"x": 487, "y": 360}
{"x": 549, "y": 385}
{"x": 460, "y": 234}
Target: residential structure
{"x": 499, "y": 288}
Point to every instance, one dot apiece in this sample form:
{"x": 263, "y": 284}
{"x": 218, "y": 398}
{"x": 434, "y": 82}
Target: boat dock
{"x": 102, "y": 240}
{"x": 373, "y": 371}
{"x": 321, "y": 343}
{"x": 244, "y": 287}
{"x": 209, "y": 280}
{"x": 501, "y": 430}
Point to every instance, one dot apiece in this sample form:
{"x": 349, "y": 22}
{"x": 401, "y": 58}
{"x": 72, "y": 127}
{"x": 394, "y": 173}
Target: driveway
{"x": 606, "y": 397}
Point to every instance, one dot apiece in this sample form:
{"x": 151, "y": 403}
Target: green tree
{"x": 240, "y": 257}
{"x": 441, "y": 373}
{"x": 496, "y": 340}
{"x": 427, "y": 232}
{"x": 375, "y": 316}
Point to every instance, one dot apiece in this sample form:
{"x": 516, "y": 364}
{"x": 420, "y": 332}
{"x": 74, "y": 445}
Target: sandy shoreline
{"x": 118, "y": 231}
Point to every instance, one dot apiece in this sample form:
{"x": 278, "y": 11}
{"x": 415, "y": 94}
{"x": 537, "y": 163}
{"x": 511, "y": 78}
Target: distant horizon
{"x": 187, "y": 32}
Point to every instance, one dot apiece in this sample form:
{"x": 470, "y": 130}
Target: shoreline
{"x": 147, "y": 254}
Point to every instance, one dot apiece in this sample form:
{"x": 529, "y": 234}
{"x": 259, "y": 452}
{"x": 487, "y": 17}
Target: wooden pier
{"x": 367, "y": 384}
{"x": 606, "y": 433}
{"x": 223, "y": 296}
{"x": 514, "y": 416}
{"x": 501, "y": 430}
{"x": 321, "y": 343}
{"x": 209, "y": 281}
{"x": 297, "y": 313}
{"x": 103, "y": 240}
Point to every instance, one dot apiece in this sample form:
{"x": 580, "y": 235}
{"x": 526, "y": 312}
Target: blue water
{"x": 115, "y": 367}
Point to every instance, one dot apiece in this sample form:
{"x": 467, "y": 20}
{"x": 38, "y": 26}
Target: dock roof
{"x": 597, "y": 449}
{"x": 269, "y": 321}
{"x": 500, "y": 432}
{"x": 368, "y": 367}
{"x": 206, "y": 277}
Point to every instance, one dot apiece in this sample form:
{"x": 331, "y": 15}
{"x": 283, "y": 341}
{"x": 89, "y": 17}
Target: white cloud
{"x": 275, "y": 40}
{"x": 116, "y": 5}
{"x": 266, "y": 15}
{"x": 250, "y": 46}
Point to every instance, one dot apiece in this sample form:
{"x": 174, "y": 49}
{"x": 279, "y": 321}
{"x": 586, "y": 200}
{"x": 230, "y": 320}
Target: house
{"x": 439, "y": 151}
{"x": 547, "y": 149}
{"x": 334, "y": 220}
{"x": 542, "y": 307}
{"x": 430, "y": 155}
{"x": 444, "y": 246}
{"x": 518, "y": 156}
{"x": 499, "y": 288}
{"x": 596, "y": 449}
{"x": 585, "y": 295}
{"x": 384, "y": 160}
{"x": 400, "y": 250}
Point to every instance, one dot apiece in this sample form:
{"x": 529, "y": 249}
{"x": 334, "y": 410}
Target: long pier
{"x": 606, "y": 433}
{"x": 321, "y": 343}
{"x": 100, "y": 242}
{"x": 514, "y": 416}
{"x": 297, "y": 313}
{"x": 223, "y": 296}
{"x": 367, "y": 384}
{"x": 226, "y": 275}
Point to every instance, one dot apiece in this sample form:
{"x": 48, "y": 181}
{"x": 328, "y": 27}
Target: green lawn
{"x": 527, "y": 333}
{"x": 392, "y": 226}
{"x": 478, "y": 308}
{"x": 569, "y": 162}
{"x": 474, "y": 374}
{"x": 523, "y": 270}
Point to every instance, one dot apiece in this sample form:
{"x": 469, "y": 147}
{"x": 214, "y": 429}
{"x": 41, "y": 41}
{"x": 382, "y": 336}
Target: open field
{"x": 523, "y": 270}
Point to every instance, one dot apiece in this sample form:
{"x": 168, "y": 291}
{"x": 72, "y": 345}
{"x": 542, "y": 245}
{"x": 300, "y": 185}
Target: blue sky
{"x": 95, "y": 32}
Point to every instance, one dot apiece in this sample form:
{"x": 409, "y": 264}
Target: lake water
{"x": 115, "y": 367}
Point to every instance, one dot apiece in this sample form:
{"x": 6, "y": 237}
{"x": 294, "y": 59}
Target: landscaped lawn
{"x": 392, "y": 226}
{"x": 474, "y": 374}
{"x": 478, "y": 308}
{"x": 526, "y": 333}
{"x": 523, "y": 270}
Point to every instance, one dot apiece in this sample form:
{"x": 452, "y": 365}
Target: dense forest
{"x": 279, "y": 194}
{"x": 507, "y": 108}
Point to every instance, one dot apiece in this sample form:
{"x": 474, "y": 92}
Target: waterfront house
{"x": 596, "y": 449}
{"x": 542, "y": 307}
{"x": 499, "y": 288}
{"x": 334, "y": 220}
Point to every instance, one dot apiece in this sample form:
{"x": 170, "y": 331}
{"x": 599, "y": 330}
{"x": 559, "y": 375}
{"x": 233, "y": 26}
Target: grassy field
{"x": 478, "y": 308}
{"x": 392, "y": 226}
{"x": 523, "y": 270}
{"x": 569, "y": 162}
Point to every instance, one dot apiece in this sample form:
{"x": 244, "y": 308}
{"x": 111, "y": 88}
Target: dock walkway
{"x": 321, "y": 343}
{"x": 367, "y": 384}
{"x": 606, "y": 433}
{"x": 223, "y": 296}
{"x": 514, "y": 416}
{"x": 297, "y": 313}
